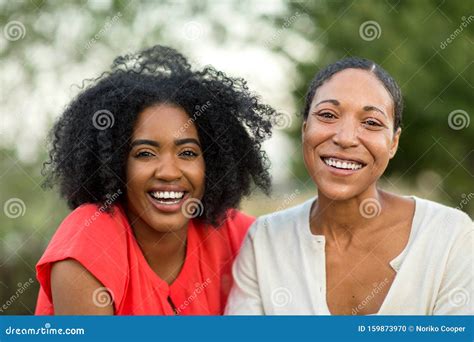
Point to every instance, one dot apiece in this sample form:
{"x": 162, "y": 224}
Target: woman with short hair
{"x": 355, "y": 249}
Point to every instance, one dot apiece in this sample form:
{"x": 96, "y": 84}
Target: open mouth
{"x": 167, "y": 197}
{"x": 342, "y": 164}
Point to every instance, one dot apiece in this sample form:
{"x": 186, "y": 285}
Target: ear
{"x": 395, "y": 139}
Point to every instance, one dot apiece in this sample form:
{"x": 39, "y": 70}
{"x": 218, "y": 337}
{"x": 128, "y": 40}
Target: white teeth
{"x": 167, "y": 194}
{"x": 342, "y": 164}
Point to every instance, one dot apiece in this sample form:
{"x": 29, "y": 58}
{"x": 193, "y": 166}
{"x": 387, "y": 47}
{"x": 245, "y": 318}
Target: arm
{"x": 455, "y": 296}
{"x": 76, "y": 291}
{"x": 244, "y": 298}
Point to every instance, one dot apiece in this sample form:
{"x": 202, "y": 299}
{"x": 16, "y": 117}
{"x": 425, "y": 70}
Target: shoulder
{"x": 446, "y": 220}
{"x": 437, "y": 213}
{"x": 96, "y": 239}
{"x": 91, "y": 222}
{"x": 75, "y": 291}
{"x": 284, "y": 225}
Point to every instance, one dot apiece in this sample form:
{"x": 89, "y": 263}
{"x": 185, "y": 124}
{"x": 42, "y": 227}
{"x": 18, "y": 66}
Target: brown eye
{"x": 188, "y": 154}
{"x": 372, "y": 123}
{"x": 144, "y": 154}
{"x": 326, "y": 115}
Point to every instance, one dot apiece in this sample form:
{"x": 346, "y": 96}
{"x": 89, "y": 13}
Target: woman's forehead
{"x": 164, "y": 120}
{"x": 355, "y": 87}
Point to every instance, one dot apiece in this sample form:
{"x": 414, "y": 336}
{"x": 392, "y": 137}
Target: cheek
{"x": 314, "y": 136}
{"x": 378, "y": 147}
{"x": 196, "y": 173}
{"x": 136, "y": 175}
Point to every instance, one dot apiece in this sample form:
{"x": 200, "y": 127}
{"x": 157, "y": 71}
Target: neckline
{"x": 395, "y": 263}
{"x": 155, "y": 278}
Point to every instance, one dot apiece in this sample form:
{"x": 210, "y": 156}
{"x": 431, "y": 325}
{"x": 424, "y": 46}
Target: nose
{"x": 167, "y": 169}
{"x": 347, "y": 134}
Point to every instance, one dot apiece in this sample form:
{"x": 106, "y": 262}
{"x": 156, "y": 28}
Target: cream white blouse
{"x": 281, "y": 266}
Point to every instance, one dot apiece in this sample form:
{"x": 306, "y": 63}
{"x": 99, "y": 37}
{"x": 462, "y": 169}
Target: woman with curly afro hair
{"x": 153, "y": 158}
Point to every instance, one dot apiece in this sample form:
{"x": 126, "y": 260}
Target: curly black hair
{"x": 357, "y": 63}
{"x": 91, "y": 139}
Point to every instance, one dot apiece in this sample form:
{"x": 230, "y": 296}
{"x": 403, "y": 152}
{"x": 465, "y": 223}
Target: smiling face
{"x": 165, "y": 168}
{"x": 348, "y": 136}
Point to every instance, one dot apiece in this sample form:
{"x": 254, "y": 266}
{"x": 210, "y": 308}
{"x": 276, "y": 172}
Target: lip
{"x": 341, "y": 172}
{"x": 168, "y": 208}
{"x": 175, "y": 188}
{"x": 340, "y": 156}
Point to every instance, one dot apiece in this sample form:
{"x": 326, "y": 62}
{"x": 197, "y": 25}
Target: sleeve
{"x": 98, "y": 241}
{"x": 455, "y": 296}
{"x": 244, "y": 298}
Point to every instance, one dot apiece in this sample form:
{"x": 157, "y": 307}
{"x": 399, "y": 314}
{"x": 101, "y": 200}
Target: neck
{"x": 341, "y": 220}
{"x": 165, "y": 252}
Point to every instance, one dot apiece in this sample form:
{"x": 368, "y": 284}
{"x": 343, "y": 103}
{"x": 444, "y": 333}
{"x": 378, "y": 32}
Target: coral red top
{"x": 105, "y": 245}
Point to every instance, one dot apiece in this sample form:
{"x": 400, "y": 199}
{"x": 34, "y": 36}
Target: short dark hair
{"x": 358, "y": 63}
{"x": 89, "y": 161}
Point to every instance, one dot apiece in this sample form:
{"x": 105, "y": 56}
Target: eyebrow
{"x": 154, "y": 143}
{"x": 366, "y": 108}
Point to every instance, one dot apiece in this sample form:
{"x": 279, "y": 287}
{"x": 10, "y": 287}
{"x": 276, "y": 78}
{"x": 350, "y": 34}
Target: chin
{"x": 167, "y": 223}
{"x": 338, "y": 192}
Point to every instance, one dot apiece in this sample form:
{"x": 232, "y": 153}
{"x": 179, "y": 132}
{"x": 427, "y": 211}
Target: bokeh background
{"x": 47, "y": 49}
